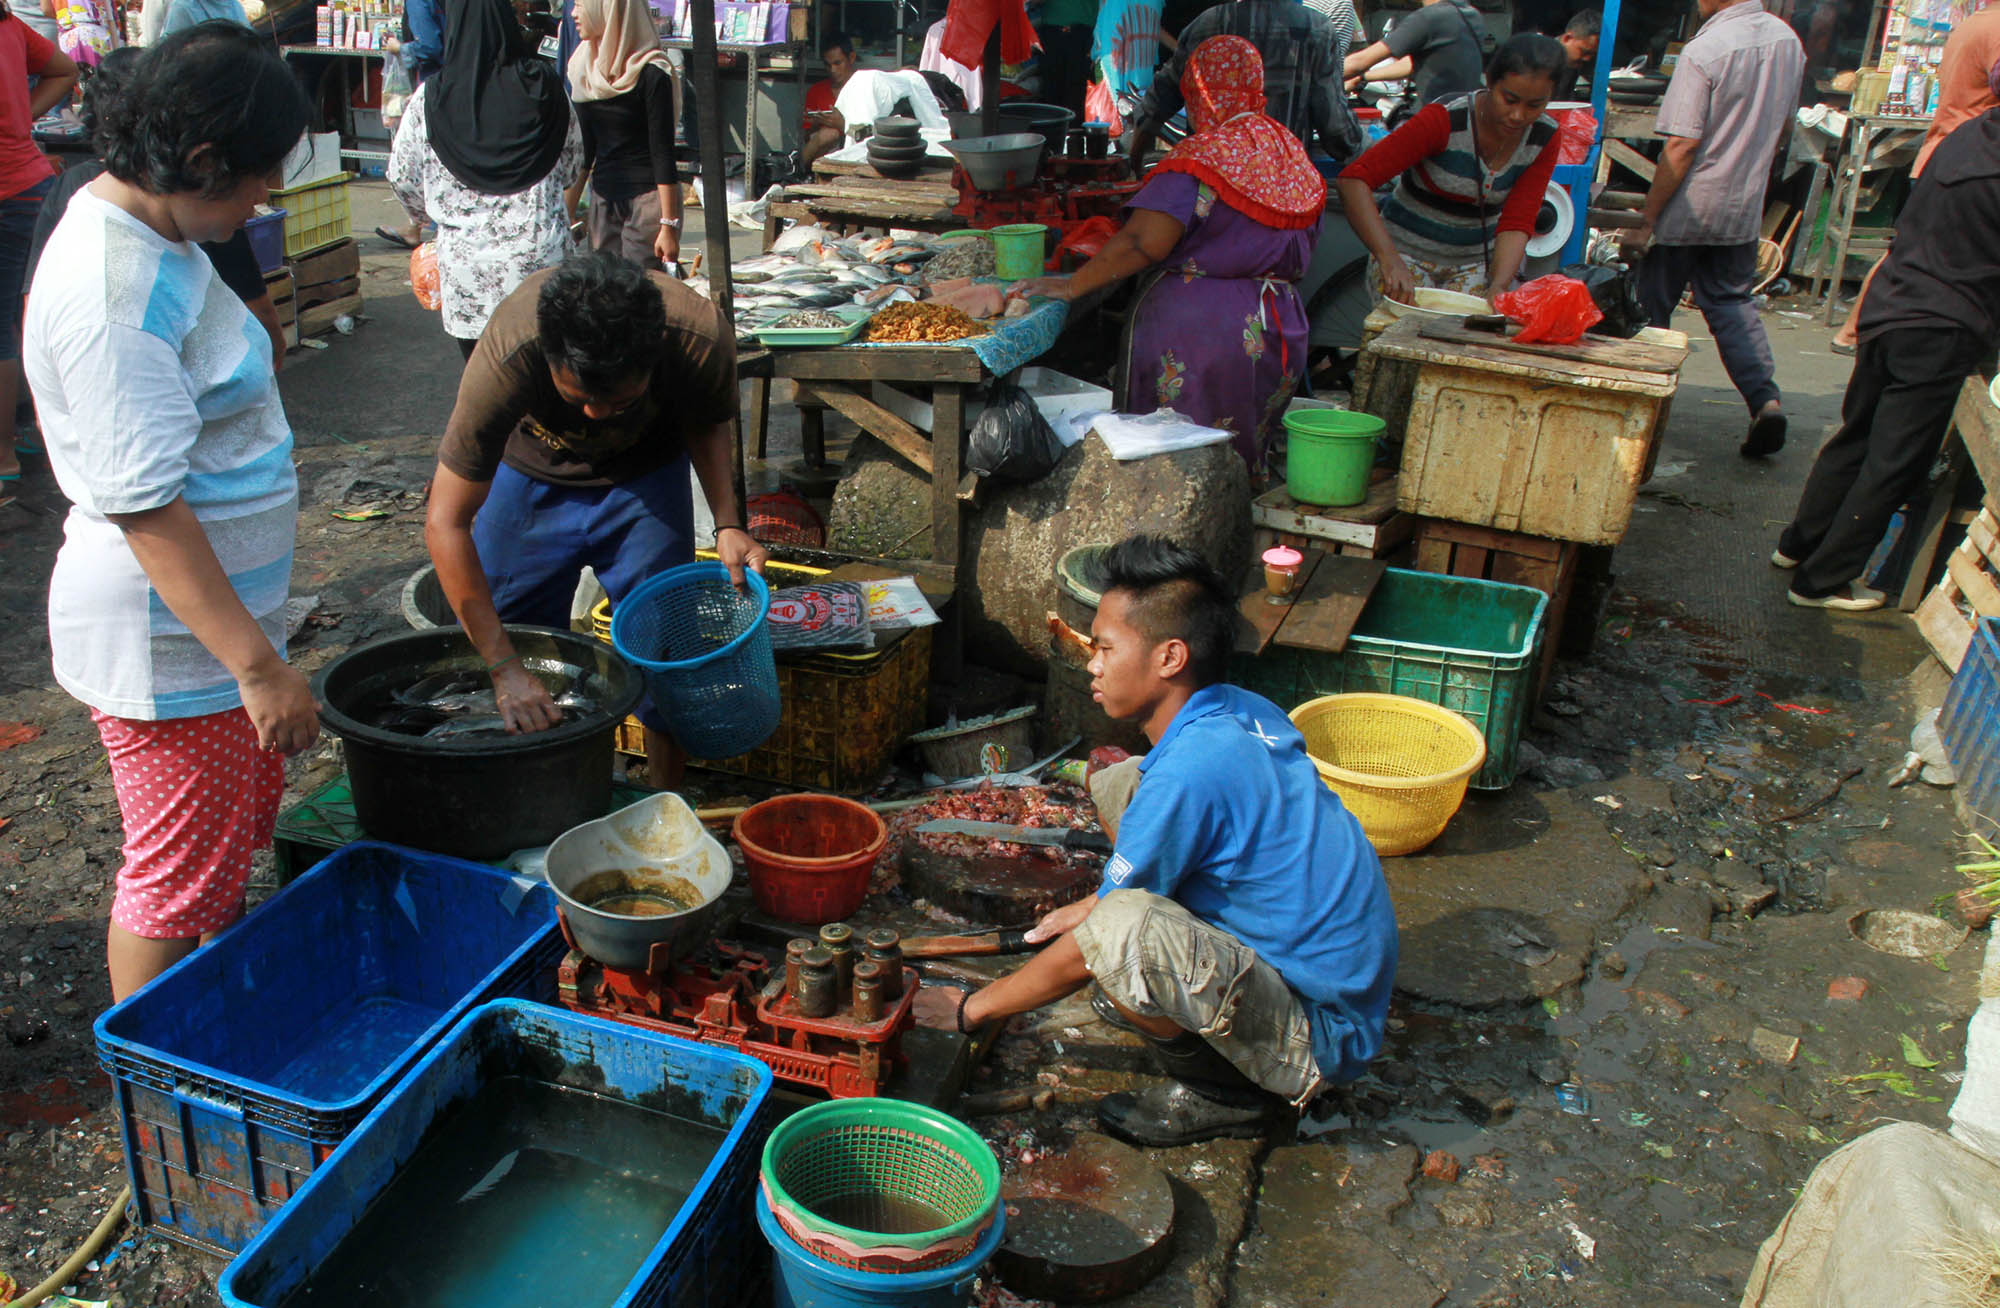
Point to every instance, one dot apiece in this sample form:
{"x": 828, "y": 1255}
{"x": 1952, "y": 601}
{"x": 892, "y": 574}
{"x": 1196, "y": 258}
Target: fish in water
{"x": 458, "y": 728}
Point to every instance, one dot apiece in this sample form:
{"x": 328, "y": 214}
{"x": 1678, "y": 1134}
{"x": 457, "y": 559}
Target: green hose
{"x": 78, "y": 1260}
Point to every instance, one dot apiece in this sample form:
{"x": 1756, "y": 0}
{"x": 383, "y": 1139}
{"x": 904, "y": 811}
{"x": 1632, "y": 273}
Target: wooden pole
{"x": 714, "y": 183}
{"x": 989, "y": 85}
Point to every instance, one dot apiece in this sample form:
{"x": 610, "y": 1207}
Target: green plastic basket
{"x": 868, "y": 1171}
{"x": 1458, "y": 642}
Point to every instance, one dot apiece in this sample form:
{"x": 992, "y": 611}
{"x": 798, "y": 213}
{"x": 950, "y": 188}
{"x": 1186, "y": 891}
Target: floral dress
{"x": 89, "y": 30}
{"x": 1218, "y": 333}
{"x": 486, "y": 244}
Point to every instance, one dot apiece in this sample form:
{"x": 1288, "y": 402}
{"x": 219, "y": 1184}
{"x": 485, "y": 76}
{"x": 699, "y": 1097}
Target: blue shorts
{"x": 17, "y": 230}
{"x": 535, "y": 539}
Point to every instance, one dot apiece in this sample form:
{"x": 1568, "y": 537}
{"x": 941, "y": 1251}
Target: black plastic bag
{"x": 1615, "y": 290}
{"x": 1012, "y": 443}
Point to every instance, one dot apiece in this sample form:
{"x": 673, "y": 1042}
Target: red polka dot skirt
{"x": 198, "y": 798}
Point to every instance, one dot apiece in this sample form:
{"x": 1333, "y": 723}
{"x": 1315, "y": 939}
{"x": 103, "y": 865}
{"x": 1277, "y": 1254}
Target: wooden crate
{"x": 1373, "y": 529}
{"x": 1969, "y": 590}
{"x": 1458, "y": 549}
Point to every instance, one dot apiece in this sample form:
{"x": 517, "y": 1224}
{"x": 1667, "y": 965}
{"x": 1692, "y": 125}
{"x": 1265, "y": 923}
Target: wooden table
{"x": 855, "y": 195}
{"x": 1873, "y": 141}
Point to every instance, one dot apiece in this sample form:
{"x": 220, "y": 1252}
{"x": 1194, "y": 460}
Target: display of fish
{"x": 459, "y": 728}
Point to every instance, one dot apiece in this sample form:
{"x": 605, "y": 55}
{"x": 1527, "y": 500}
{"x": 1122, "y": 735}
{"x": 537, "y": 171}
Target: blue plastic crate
{"x": 1970, "y": 723}
{"x": 238, "y": 1070}
{"x": 707, "y": 1257}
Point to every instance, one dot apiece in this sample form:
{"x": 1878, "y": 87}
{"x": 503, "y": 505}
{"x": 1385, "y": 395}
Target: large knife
{"x": 1056, "y": 837}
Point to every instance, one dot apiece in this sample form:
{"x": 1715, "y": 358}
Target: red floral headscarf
{"x": 1252, "y": 161}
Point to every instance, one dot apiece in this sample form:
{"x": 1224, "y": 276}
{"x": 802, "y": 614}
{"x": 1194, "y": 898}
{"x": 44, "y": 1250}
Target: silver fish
{"x": 458, "y": 727}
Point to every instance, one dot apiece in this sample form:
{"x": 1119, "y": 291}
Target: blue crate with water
{"x": 1970, "y": 726}
{"x": 535, "y": 1156}
{"x": 238, "y": 1070}
{"x": 705, "y": 650}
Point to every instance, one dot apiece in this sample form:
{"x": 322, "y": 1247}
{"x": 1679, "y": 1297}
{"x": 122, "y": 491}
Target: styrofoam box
{"x": 315, "y": 158}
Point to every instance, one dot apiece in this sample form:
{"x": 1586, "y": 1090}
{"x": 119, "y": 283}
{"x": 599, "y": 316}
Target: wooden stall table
{"x": 842, "y": 377}
{"x": 853, "y": 194}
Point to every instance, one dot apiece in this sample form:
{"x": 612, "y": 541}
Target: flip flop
{"x": 394, "y": 238}
{"x": 1766, "y": 436}
{"x": 1841, "y": 347}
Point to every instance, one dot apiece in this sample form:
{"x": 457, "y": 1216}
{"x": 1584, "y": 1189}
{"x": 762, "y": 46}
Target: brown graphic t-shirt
{"x": 510, "y": 411}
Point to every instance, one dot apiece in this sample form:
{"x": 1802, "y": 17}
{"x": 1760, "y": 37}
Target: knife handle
{"x": 1094, "y": 841}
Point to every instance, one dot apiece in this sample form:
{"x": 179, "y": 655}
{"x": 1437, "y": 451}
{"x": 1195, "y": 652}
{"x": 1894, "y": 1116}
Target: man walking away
{"x": 1725, "y": 113}
{"x": 1444, "y": 45}
{"x": 1301, "y": 76}
{"x": 1931, "y": 321}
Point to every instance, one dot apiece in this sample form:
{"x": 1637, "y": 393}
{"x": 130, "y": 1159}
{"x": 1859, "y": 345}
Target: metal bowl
{"x": 997, "y": 163}
{"x": 657, "y": 853}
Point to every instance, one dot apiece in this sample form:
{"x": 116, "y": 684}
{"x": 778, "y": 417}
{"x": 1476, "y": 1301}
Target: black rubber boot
{"x": 1107, "y": 1012}
{"x": 1206, "y": 1098}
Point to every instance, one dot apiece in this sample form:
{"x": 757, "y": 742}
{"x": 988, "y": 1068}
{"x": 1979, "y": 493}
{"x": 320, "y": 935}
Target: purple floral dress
{"x": 1218, "y": 333}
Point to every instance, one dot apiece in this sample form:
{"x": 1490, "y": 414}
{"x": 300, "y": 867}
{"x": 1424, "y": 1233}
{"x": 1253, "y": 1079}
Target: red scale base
{"x": 730, "y": 996}
{"x": 1071, "y": 191}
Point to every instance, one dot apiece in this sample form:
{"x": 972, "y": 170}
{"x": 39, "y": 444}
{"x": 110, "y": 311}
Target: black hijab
{"x": 497, "y": 111}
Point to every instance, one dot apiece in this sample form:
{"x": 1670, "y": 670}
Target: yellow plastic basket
{"x": 316, "y": 214}
{"x": 1400, "y": 765}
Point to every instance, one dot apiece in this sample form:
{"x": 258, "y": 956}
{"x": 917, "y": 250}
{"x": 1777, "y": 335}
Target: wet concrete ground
{"x": 1590, "y": 1094}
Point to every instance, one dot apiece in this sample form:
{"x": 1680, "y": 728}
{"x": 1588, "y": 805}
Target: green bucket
{"x": 1328, "y": 455}
{"x": 1017, "y": 250}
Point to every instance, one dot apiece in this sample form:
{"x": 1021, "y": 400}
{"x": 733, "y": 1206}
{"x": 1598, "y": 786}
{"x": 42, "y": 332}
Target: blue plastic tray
{"x": 705, "y": 1258}
{"x": 1970, "y": 724}
{"x": 239, "y": 1069}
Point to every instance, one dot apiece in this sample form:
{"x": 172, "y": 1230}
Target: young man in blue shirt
{"x": 1243, "y": 927}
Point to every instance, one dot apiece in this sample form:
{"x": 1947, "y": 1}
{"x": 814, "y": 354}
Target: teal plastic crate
{"x": 1468, "y": 645}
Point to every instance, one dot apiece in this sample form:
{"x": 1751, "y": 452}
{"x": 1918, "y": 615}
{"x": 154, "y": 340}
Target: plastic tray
{"x": 239, "y": 1069}
{"x": 781, "y": 336}
{"x": 707, "y": 1256}
{"x": 1467, "y": 645}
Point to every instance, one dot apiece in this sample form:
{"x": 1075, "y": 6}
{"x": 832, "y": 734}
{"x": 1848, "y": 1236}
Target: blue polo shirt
{"x": 1232, "y": 821}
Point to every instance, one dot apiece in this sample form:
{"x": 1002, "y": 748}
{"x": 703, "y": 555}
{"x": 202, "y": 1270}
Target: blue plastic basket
{"x": 708, "y": 1256}
{"x": 267, "y": 240}
{"x": 238, "y": 1070}
{"x": 1970, "y": 725}
{"x": 705, "y": 650}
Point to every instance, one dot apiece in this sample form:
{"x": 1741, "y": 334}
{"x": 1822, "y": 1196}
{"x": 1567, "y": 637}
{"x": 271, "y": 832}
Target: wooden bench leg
{"x": 760, "y": 411}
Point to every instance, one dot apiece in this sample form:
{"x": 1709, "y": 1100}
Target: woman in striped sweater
{"x": 1469, "y": 177}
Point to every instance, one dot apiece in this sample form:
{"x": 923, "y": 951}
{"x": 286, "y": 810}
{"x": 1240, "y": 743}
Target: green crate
{"x": 1466, "y": 644}
{"x": 324, "y": 821}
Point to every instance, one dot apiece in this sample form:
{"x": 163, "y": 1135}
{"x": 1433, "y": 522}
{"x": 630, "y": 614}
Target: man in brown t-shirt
{"x": 593, "y": 389}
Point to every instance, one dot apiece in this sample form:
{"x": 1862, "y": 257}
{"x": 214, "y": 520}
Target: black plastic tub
{"x": 481, "y": 797}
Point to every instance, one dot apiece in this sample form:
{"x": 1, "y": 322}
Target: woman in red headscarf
{"x": 1222, "y": 230}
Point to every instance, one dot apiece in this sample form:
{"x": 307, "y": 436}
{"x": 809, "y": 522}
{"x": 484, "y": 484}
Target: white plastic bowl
{"x": 1439, "y": 304}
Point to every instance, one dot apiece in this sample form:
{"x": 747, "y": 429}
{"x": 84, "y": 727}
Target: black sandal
{"x": 394, "y": 238}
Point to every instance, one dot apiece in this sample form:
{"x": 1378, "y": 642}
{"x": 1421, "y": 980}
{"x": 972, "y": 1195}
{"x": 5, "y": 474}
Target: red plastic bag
{"x": 1577, "y": 132}
{"x": 1086, "y": 238}
{"x": 1554, "y": 309}
{"x": 424, "y": 274}
{"x": 1100, "y": 106}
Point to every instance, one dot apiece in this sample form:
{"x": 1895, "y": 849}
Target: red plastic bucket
{"x": 809, "y": 855}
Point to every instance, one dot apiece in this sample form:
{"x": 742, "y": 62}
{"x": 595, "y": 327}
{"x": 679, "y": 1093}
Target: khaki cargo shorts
{"x": 1156, "y": 959}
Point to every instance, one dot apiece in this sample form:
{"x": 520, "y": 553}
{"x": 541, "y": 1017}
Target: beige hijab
{"x": 626, "y": 43}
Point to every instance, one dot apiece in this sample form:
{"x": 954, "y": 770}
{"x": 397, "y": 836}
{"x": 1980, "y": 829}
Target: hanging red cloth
{"x": 1255, "y": 164}
{"x": 967, "y": 24}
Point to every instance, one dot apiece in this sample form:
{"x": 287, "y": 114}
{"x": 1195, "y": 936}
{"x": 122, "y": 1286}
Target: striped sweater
{"x": 1447, "y": 205}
